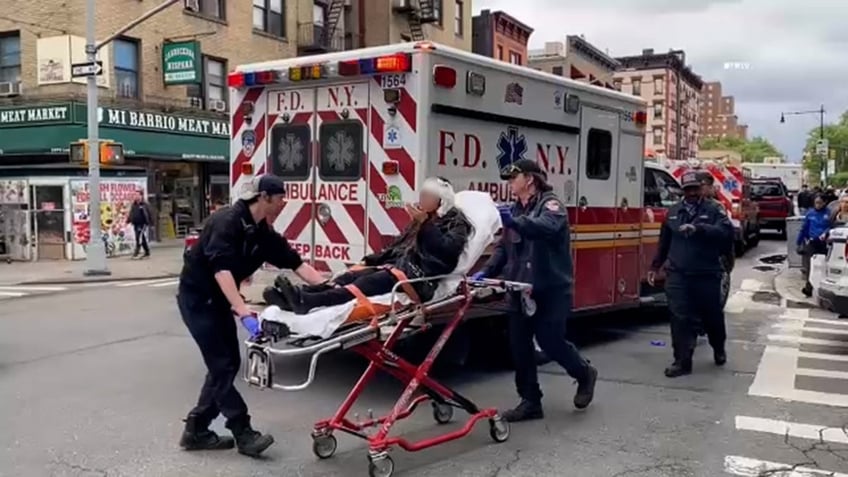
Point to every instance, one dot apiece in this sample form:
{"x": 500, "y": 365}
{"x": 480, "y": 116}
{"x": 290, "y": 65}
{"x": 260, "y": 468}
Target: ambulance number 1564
{"x": 392, "y": 81}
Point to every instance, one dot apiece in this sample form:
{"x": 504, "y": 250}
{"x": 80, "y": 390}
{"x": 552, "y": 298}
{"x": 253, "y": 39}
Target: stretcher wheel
{"x": 499, "y": 429}
{"x": 324, "y": 446}
{"x": 381, "y": 467}
{"x": 442, "y": 413}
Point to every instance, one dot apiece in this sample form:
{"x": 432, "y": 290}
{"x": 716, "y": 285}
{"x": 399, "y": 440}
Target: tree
{"x": 754, "y": 150}
{"x": 837, "y": 137}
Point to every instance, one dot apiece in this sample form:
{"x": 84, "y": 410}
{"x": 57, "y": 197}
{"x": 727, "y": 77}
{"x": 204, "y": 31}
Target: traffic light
{"x": 109, "y": 152}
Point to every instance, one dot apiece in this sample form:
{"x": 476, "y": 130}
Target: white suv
{"x": 833, "y": 289}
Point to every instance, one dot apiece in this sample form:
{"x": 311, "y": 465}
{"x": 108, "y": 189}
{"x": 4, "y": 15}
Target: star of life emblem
{"x": 511, "y": 147}
{"x": 290, "y": 152}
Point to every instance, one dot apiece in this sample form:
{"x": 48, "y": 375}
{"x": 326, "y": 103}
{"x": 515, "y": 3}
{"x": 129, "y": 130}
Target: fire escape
{"x": 317, "y": 37}
{"x": 417, "y": 16}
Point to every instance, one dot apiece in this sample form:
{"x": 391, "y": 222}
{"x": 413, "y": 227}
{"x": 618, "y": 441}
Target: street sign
{"x": 81, "y": 70}
{"x": 821, "y": 147}
{"x": 831, "y": 167}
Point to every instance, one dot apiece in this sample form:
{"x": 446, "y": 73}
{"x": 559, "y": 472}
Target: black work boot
{"x": 197, "y": 436}
{"x": 678, "y": 368}
{"x": 719, "y": 356}
{"x": 272, "y": 296}
{"x": 525, "y": 411}
{"x": 292, "y": 295}
{"x": 249, "y": 441}
{"x": 586, "y": 389}
{"x": 807, "y": 290}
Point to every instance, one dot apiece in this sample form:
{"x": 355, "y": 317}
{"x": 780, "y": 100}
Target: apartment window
{"x": 658, "y": 136}
{"x": 617, "y": 85}
{"x": 213, "y": 90}
{"x": 319, "y": 13}
{"x": 557, "y": 70}
{"x": 514, "y": 58}
{"x": 126, "y": 68}
{"x": 438, "y": 11}
{"x": 659, "y": 85}
{"x": 458, "y": 18}
{"x": 10, "y": 58}
{"x": 212, "y": 8}
{"x": 637, "y": 87}
{"x": 268, "y": 16}
{"x": 658, "y": 110}
{"x": 500, "y": 52}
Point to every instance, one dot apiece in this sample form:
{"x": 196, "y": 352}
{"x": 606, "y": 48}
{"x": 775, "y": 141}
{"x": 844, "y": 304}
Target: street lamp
{"x": 820, "y": 112}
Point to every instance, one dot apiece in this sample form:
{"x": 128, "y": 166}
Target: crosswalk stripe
{"x": 165, "y": 284}
{"x": 794, "y": 352}
{"x": 747, "y": 467}
{"x": 819, "y": 321}
{"x": 144, "y": 282}
{"x": 801, "y": 327}
{"x": 29, "y": 288}
{"x": 15, "y": 294}
{"x": 810, "y": 341}
{"x": 793, "y": 429}
{"x": 821, "y": 373}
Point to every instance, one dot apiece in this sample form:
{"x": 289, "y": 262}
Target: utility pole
{"x": 823, "y": 157}
{"x": 96, "y": 251}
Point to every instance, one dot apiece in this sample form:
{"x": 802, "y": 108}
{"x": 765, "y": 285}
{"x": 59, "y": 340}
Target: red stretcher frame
{"x": 366, "y": 342}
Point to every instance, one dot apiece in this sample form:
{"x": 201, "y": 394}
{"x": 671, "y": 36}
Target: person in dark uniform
{"x": 535, "y": 248}
{"x": 693, "y": 238}
{"x": 234, "y": 243}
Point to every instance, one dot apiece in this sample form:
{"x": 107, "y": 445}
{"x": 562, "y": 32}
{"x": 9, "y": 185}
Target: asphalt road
{"x": 95, "y": 380}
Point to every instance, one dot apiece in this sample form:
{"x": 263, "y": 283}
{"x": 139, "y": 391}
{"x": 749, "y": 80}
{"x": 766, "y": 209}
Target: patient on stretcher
{"x": 430, "y": 246}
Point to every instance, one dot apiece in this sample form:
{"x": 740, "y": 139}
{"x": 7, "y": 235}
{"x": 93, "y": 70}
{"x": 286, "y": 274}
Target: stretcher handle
{"x": 410, "y": 281}
{"x": 313, "y": 366}
{"x": 506, "y": 285}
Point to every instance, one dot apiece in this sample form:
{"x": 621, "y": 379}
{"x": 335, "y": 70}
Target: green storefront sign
{"x": 181, "y": 63}
{"x": 48, "y": 129}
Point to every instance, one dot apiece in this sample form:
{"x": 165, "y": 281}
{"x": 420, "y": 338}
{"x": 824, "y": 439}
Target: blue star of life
{"x": 511, "y": 147}
{"x": 730, "y": 184}
{"x": 392, "y": 135}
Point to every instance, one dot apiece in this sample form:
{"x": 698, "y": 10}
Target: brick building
{"x": 718, "y": 114}
{"x": 500, "y": 36}
{"x": 673, "y": 93}
{"x": 576, "y": 59}
{"x": 163, "y": 93}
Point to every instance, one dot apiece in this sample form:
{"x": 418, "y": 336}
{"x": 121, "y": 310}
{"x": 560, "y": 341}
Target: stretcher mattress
{"x": 483, "y": 214}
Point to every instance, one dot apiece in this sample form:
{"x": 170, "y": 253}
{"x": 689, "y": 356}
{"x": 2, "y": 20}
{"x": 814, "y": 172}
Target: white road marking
{"x": 793, "y": 429}
{"x": 31, "y": 288}
{"x": 15, "y": 294}
{"x": 747, "y": 467}
{"x": 810, "y": 341}
{"x": 751, "y": 285}
{"x": 165, "y": 284}
{"x": 822, "y": 373}
{"x": 799, "y": 326}
{"x": 817, "y": 321}
{"x": 775, "y": 378}
{"x": 144, "y": 282}
{"x": 804, "y": 354}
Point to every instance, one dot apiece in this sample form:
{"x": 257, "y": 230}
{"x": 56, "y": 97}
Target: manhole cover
{"x": 774, "y": 259}
{"x": 764, "y": 268}
{"x": 767, "y": 297}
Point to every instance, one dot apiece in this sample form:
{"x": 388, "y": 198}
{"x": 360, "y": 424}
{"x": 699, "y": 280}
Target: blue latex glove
{"x": 478, "y": 277}
{"x": 251, "y": 324}
{"x": 506, "y": 215}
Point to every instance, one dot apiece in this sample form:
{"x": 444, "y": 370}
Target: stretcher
{"x": 396, "y": 316}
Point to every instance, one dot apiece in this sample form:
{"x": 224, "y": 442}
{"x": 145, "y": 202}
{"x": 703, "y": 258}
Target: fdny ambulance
{"x": 355, "y": 133}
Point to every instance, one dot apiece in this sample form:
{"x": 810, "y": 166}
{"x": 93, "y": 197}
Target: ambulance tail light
{"x": 397, "y": 63}
{"x": 247, "y": 169}
{"x": 390, "y": 168}
{"x": 444, "y": 76}
{"x": 640, "y": 118}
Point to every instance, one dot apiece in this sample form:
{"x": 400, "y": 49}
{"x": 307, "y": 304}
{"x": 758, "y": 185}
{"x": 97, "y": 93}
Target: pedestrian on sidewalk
{"x": 693, "y": 238}
{"x": 233, "y": 244}
{"x": 141, "y": 222}
{"x": 535, "y": 248}
{"x": 811, "y": 238}
{"x": 805, "y": 200}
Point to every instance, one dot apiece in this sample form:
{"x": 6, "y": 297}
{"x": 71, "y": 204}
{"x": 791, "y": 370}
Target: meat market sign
{"x": 161, "y": 122}
{"x": 35, "y": 115}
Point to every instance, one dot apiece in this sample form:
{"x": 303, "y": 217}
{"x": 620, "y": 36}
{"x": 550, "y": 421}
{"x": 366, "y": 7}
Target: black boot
{"x": 272, "y": 296}
{"x": 525, "y": 411}
{"x": 197, "y": 436}
{"x": 719, "y": 356}
{"x": 586, "y": 388}
{"x": 249, "y": 441}
{"x": 678, "y": 368}
{"x": 807, "y": 290}
{"x": 292, "y": 295}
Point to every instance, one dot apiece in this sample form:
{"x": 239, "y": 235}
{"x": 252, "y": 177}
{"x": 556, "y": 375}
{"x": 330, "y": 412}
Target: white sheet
{"x": 483, "y": 214}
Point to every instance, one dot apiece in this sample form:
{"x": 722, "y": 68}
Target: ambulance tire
{"x": 755, "y": 238}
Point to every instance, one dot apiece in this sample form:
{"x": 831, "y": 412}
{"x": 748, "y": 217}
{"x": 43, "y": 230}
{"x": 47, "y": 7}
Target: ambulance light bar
{"x": 640, "y": 118}
{"x": 397, "y": 63}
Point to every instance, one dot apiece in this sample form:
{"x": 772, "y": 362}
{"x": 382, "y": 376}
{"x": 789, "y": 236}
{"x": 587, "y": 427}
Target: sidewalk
{"x": 788, "y": 284}
{"x": 166, "y": 260}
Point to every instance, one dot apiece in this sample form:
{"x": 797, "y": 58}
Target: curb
{"x": 784, "y": 286}
{"x": 102, "y": 279}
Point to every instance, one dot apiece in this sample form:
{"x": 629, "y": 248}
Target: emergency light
{"x": 444, "y": 76}
{"x": 397, "y": 63}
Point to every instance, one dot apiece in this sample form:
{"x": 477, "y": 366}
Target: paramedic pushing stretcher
{"x": 232, "y": 246}
{"x": 535, "y": 248}
{"x": 693, "y": 238}
{"x": 430, "y": 246}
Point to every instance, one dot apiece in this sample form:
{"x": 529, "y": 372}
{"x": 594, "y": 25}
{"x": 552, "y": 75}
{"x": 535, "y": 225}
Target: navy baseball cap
{"x": 522, "y": 166}
{"x": 690, "y": 179}
{"x": 270, "y": 185}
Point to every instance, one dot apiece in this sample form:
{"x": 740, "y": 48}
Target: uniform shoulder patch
{"x": 553, "y": 205}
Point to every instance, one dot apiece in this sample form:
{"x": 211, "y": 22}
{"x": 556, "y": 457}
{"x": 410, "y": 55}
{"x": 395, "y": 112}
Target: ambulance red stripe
{"x": 238, "y": 117}
{"x": 334, "y": 233}
{"x": 405, "y": 162}
{"x": 378, "y": 185}
{"x": 258, "y": 145}
{"x": 299, "y": 222}
{"x": 407, "y": 107}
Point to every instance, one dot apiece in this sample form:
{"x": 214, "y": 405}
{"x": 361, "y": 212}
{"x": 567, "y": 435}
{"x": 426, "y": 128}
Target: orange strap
{"x": 363, "y": 301}
{"x": 406, "y": 286}
{"x": 358, "y": 267}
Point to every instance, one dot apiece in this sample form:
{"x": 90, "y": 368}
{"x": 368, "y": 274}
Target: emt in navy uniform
{"x": 693, "y": 238}
{"x": 233, "y": 244}
{"x": 535, "y": 248}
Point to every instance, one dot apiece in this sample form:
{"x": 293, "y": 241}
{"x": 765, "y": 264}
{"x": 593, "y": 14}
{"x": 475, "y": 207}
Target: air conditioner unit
{"x": 195, "y": 102}
{"x": 192, "y": 5}
{"x": 348, "y": 3}
{"x": 10, "y": 89}
{"x": 216, "y": 105}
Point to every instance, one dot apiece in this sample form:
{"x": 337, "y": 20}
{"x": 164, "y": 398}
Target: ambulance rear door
{"x": 318, "y": 145}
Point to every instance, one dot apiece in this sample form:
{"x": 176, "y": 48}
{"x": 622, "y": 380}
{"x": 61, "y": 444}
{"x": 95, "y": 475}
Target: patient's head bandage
{"x": 443, "y": 190}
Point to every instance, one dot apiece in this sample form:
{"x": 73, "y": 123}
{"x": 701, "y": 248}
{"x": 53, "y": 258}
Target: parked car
{"x": 775, "y": 203}
{"x": 833, "y": 288}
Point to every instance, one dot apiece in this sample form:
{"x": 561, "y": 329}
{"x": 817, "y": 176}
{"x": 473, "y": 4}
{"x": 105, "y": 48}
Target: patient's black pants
{"x": 370, "y": 281}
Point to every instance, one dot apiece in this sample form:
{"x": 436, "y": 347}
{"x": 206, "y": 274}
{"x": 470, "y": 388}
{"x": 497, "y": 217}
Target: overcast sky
{"x": 795, "y": 51}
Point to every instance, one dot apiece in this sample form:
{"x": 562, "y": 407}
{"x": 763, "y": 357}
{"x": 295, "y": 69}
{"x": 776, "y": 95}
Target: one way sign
{"x": 80, "y": 70}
